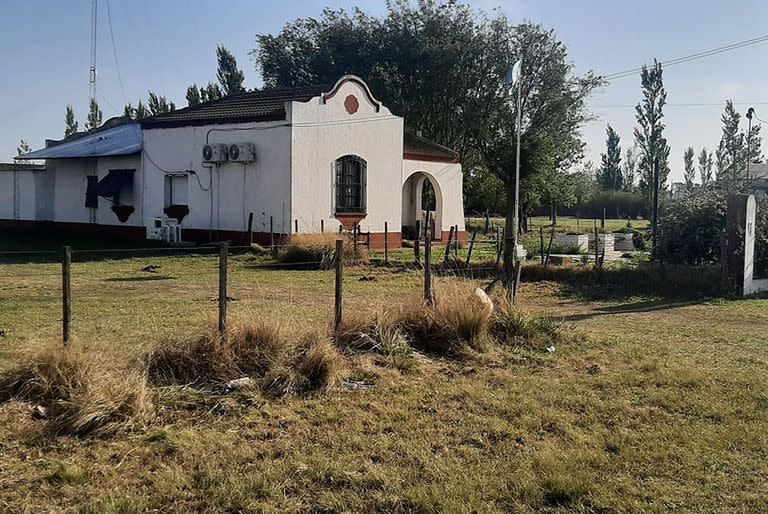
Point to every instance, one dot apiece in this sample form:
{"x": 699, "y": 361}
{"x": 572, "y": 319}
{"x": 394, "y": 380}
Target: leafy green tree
{"x": 22, "y": 149}
{"x": 442, "y": 66}
{"x": 483, "y": 192}
{"x": 141, "y": 111}
{"x": 71, "y": 122}
{"x": 584, "y": 186}
{"x": 94, "y": 116}
{"x": 210, "y": 92}
{"x": 129, "y": 111}
{"x": 157, "y": 104}
{"x": 230, "y": 77}
{"x": 732, "y": 146}
{"x": 650, "y": 134}
{"x": 629, "y": 169}
{"x": 689, "y": 168}
{"x": 705, "y": 167}
{"x": 193, "y": 95}
{"x": 609, "y": 176}
{"x": 736, "y": 148}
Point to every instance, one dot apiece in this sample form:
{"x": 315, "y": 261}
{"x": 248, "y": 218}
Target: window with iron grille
{"x": 350, "y": 185}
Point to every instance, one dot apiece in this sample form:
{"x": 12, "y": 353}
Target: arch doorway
{"x": 421, "y": 194}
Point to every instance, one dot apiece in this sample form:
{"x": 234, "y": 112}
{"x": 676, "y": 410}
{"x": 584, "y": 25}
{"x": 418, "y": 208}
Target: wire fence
{"x": 132, "y": 294}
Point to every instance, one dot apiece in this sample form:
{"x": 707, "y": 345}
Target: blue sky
{"x": 165, "y": 45}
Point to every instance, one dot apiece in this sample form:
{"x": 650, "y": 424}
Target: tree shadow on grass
{"x": 642, "y": 306}
{"x": 148, "y": 278}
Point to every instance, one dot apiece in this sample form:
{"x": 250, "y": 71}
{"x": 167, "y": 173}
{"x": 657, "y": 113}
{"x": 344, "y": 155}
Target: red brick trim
{"x": 411, "y": 156}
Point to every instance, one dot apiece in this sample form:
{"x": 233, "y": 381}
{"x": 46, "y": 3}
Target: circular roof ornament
{"x": 351, "y": 104}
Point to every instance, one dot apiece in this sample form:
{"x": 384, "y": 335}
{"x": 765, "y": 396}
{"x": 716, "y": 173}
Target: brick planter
{"x": 580, "y": 240}
{"x": 604, "y": 241}
{"x": 623, "y": 242}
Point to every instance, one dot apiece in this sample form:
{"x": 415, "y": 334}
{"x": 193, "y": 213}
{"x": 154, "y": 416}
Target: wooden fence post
{"x": 272, "y": 237}
{"x": 223, "y": 258}
{"x": 448, "y": 245}
{"x": 541, "y": 244}
{"x": 429, "y": 298}
{"x": 549, "y": 246}
{"x": 471, "y": 246}
{"x": 386, "y": 243}
{"x": 66, "y": 293}
{"x": 338, "y": 306}
{"x": 456, "y": 242}
{"x": 487, "y": 222}
{"x": 250, "y": 228}
{"x": 416, "y": 251}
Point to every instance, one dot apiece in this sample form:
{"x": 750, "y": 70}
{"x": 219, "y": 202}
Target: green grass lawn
{"x": 661, "y": 405}
{"x": 564, "y": 224}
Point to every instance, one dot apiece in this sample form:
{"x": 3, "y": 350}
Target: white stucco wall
{"x": 449, "y": 179}
{"x": 21, "y": 206}
{"x": 261, "y": 187}
{"x": 66, "y": 182}
{"x": 324, "y": 132}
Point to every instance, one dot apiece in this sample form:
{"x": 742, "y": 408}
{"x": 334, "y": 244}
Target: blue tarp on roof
{"x": 121, "y": 140}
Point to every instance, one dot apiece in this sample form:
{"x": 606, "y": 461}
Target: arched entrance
{"x": 421, "y": 193}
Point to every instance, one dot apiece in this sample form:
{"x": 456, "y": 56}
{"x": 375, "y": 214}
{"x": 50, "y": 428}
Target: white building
{"x": 323, "y": 157}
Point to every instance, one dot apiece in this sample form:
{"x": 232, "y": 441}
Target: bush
{"x": 458, "y": 323}
{"x": 320, "y": 249}
{"x": 279, "y": 361}
{"x": 80, "y": 392}
{"x": 690, "y": 228}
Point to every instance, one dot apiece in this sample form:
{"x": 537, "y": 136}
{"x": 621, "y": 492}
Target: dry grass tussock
{"x": 458, "y": 324}
{"x": 80, "y": 392}
{"x": 320, "y": 248}
{"x": 277, "y": 359}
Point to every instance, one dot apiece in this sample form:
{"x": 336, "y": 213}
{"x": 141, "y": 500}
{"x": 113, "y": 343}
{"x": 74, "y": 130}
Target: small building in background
{"x": 302, "y": 159}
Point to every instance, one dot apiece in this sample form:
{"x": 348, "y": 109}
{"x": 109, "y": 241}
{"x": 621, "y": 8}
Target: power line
{"x": 114, "y": 52}
{"x": 720, "y": 104}
{"x": 692, "y": 57}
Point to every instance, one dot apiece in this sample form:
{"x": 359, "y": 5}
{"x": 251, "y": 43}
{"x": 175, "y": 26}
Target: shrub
{"x": 690, "y": 228}
{"x": 278, "y": 360}
{"x": 82, "y": 393}
{"x": 513, "y": 328}
{"x": 320, "y": 249}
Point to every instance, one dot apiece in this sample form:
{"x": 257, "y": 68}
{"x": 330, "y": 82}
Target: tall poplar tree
{"x": 230, "y": 77}
{"x": 609, "y": 176}
{"x": 705, "y": 167}
{"x": 650, "y": 134}
{"x": 71, "y": 123}
{"x": 689, "y": 168}
{"x": 94, "y": 116}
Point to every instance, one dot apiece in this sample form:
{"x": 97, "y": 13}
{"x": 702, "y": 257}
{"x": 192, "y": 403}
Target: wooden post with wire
{"x": 429, "y": 298}
{"x": 338, "y": 305}
{"x": 223, "y": 258}
{"x": 66, "y": 293}
{"x": 471, "y": 246}
{"x": 416, "y": 251}
{"x": 250, "y": 228}
{"x": 456, "y": 242}
{"x": 386, "y": 242}
{"x": 448, "y": 244}
{"x": 272, "y": 237}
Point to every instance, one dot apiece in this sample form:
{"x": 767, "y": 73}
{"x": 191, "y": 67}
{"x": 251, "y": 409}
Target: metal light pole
{"x": 750, "y": 113}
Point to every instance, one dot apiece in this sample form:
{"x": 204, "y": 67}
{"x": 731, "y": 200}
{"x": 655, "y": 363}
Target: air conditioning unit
{"x": 242, "y": 152}
{"x": 215, "y": 153}
{"x": 167, "y": 230}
